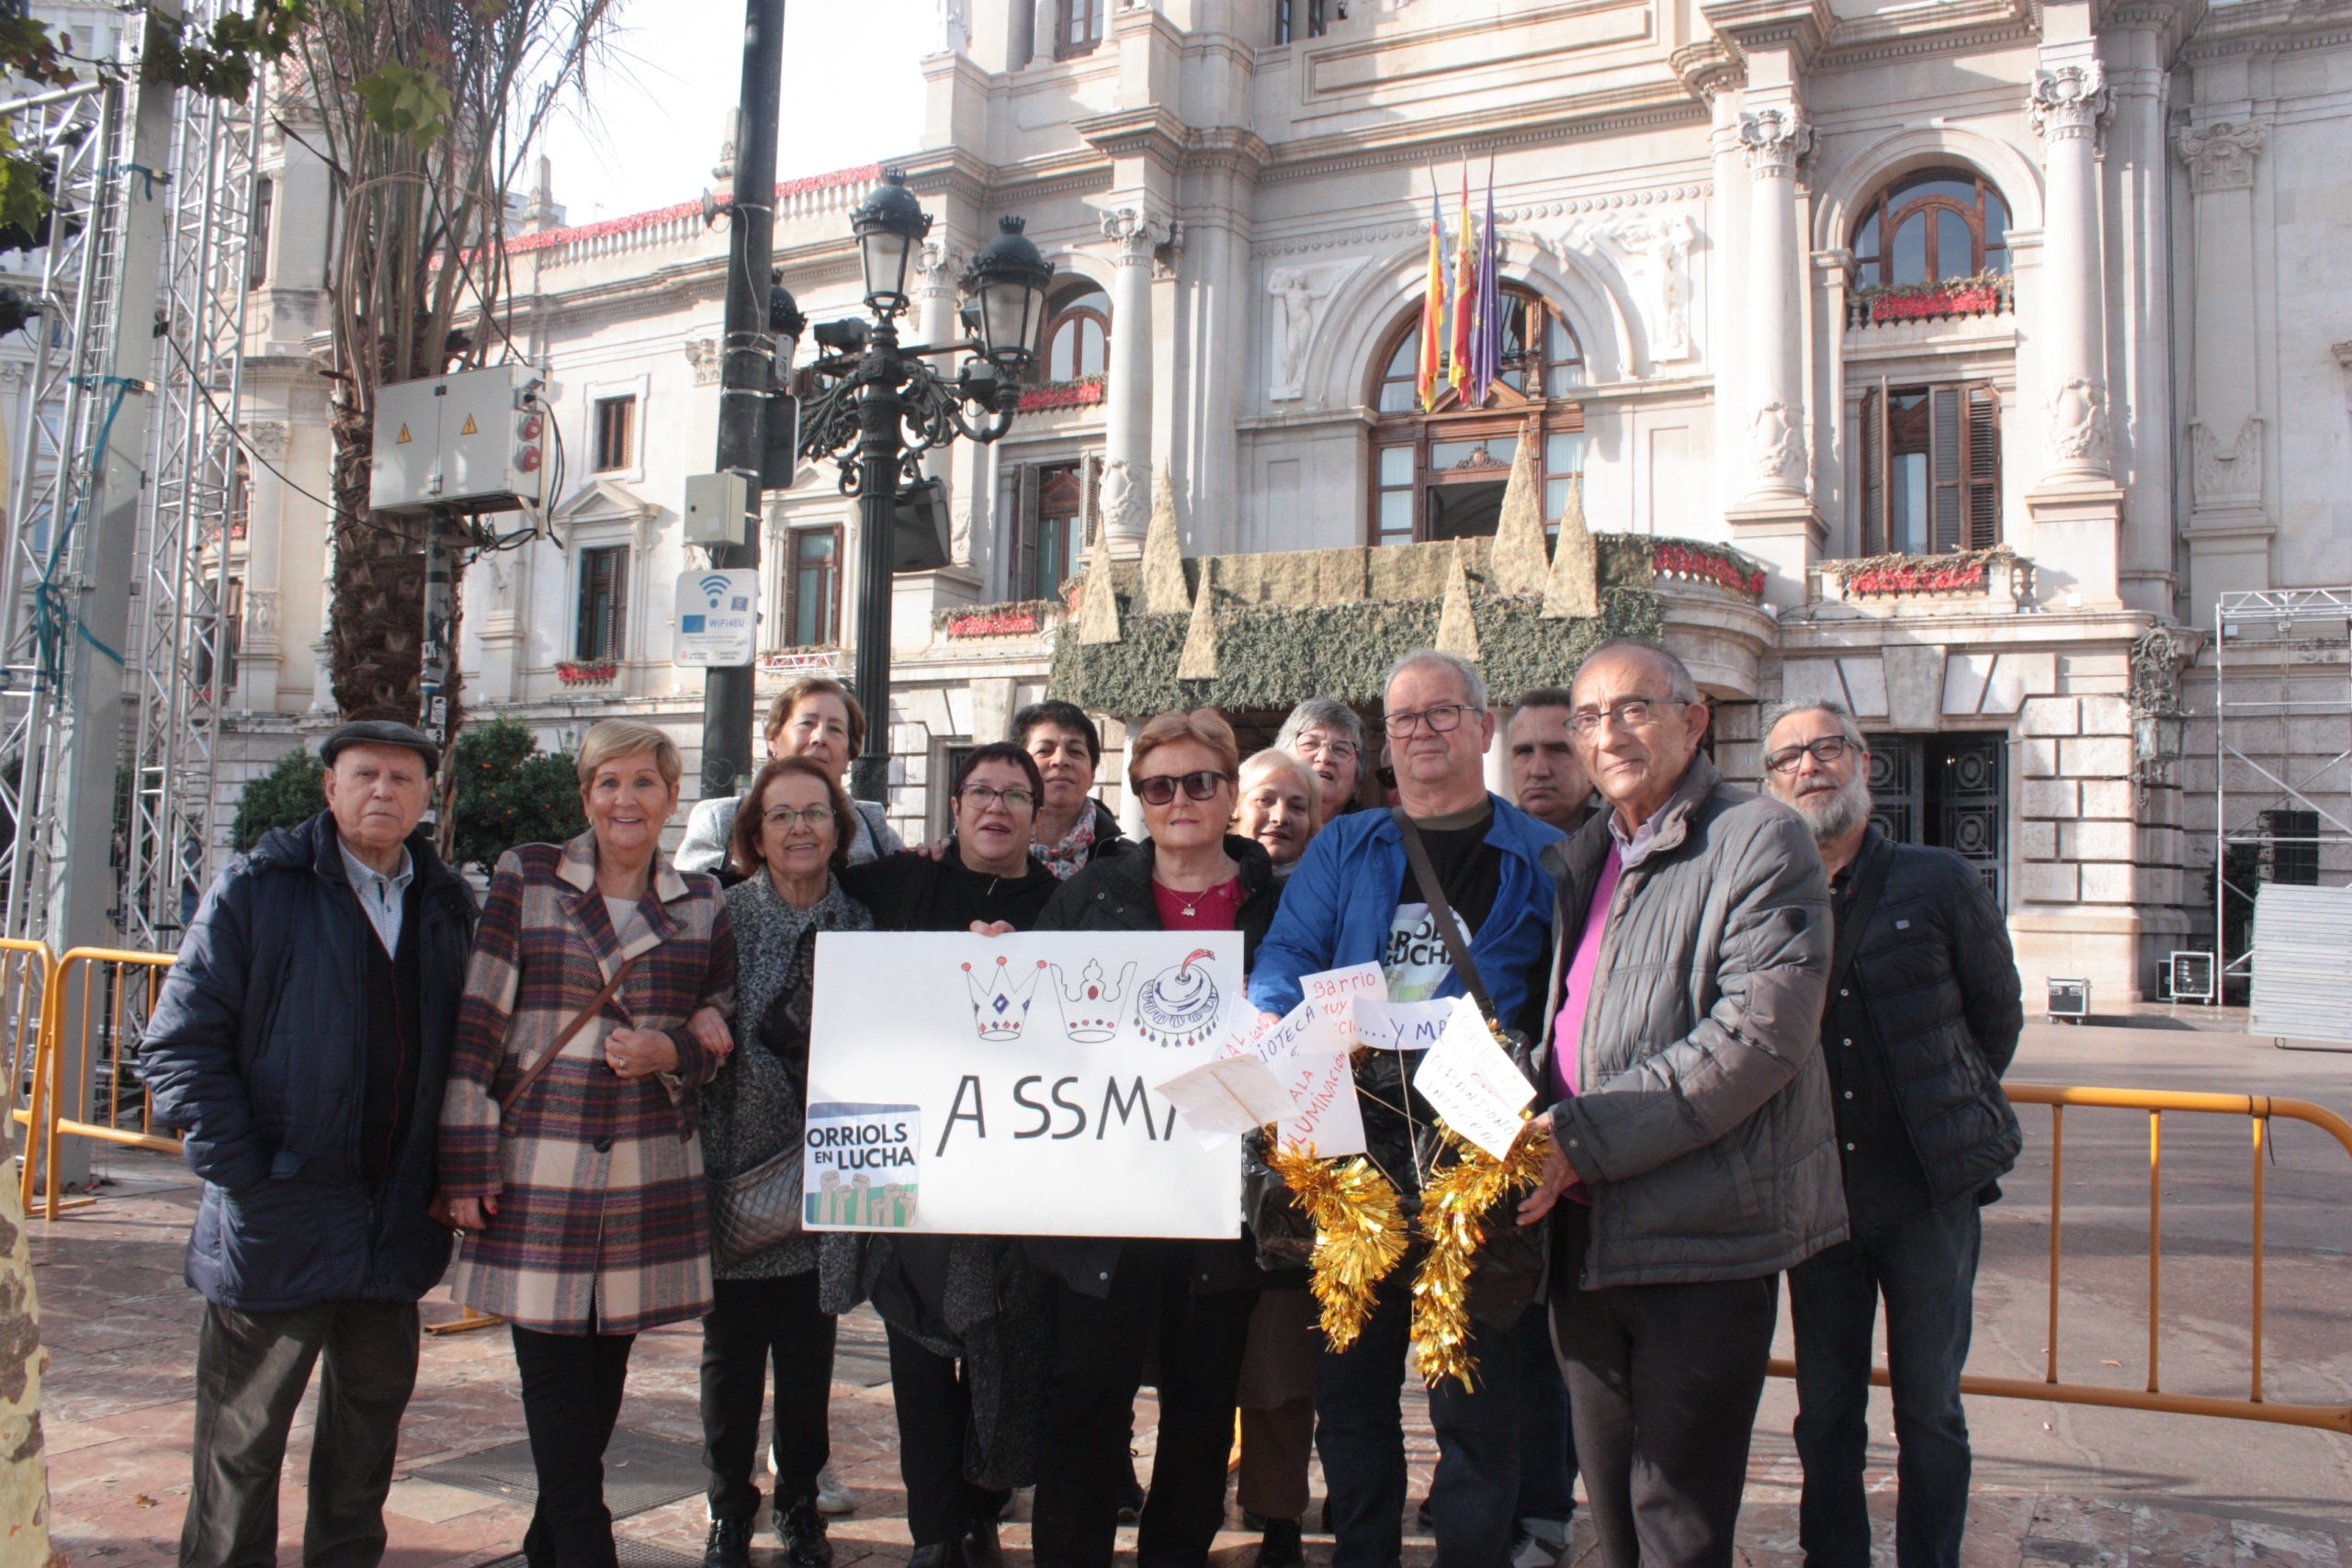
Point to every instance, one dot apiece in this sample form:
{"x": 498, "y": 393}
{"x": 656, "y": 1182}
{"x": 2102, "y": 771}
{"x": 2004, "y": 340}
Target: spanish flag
{"x": 1465, "y": 294}
{"x": 1432, "y": 310}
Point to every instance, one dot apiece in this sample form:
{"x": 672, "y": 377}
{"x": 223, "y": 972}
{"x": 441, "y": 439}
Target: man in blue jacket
{"x": 300, "y": 1045}
{"x": 1354, "y": 899}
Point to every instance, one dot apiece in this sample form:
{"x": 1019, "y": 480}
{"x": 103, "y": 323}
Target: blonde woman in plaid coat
{"x": 582, "y": 1205}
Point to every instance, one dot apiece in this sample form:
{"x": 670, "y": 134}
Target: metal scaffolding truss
{"x": 61, "y": 421}
{"x": 2282, "y": 735}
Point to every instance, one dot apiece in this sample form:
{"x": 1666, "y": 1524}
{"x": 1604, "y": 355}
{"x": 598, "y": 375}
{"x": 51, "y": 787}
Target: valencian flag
{"x": 1432, "y": 308}
{"x": 1486, "y": 332}
{"x": 1465, "y": 295}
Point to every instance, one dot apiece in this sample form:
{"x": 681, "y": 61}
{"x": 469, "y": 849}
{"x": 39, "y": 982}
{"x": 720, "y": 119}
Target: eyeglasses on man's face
{"x": 1443, "y": 718}
{"x": 1160, "y": 788}
{"x": 810, "y": 817}
{"x": 981, "y": 798}
{"x": 1828, "y": 749}
{"x": 1630, "y": 713}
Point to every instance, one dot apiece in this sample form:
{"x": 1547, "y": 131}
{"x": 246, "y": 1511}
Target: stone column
{"x": 939, "y": 268}
{"x": 1134, "y": 234}
{"x": 257, "y": 652}
{"x": 2228, "y": 534}
{"x": 1775, "y": 140}
{"x": 2067, "y": 104}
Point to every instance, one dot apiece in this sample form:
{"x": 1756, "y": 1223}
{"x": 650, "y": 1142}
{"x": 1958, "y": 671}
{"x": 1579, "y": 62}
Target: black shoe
{"x": 1279, "y": 1548}
{"x": 938, "y": 1554}
{"x": 979, "y": 1546}
{"x": 801, "y": 1528}
{"x": 1131, "y": 1498}
{"x": 729, "y": 1544}
{"x": 1422, "y": 1516}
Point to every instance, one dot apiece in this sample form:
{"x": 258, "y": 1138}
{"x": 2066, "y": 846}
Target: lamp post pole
{"x": 879, "y": 409}
{"x": 747, "y": 366}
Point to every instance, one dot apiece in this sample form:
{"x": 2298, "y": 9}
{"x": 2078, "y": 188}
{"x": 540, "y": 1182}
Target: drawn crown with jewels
{"x": 1089, "y": 1008}
{"x": 1001, "y": 1006}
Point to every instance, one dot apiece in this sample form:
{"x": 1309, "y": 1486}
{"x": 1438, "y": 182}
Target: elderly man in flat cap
{"x": 300, "y": 1044}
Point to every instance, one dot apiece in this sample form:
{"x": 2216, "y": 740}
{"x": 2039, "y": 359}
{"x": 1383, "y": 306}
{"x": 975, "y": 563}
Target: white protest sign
{"x": 718, "y": 613}
{"x": 1004, "y": 1087}
{"x": 1401, "y": 1026}
{"x": 1336, "y": 991}
{"x": 1468, "y": 1079}
{"x": 1305, "y": 1050}
{"x": 1221, "y": 1099}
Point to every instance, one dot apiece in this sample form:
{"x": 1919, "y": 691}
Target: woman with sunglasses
{"x": 1111, "y": 1294}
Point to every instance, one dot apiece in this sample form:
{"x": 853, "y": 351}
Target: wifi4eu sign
{"x": 718, "y": 616}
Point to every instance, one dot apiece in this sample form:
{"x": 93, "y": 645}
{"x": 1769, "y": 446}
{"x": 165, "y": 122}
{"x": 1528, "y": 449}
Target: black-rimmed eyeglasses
{"x": 1828, "y": 749}
{"x": 1443, "y": 718}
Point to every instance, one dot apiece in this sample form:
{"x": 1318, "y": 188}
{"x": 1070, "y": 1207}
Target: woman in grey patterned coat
{"x": 766, "y": 1305}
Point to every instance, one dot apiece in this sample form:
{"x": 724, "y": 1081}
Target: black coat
{"x": 257, "y": 1053}
{"x": 911, "y": 891}
{"x": 1940, "y": 993}
{"x": 1113, "y": 894}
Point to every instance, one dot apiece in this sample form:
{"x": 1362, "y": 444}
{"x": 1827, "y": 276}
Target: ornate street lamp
{"x": 882, "y": 408}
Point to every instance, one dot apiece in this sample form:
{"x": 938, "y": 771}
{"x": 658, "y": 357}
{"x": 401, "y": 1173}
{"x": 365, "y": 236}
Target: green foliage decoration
{"x": 286, "y": 797}
{"x": 405, "y": 101}
{"x": 219, "y": 63}
{"x": 510, "y": 793}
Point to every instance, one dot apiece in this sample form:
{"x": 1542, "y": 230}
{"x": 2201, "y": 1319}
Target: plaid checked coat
{"x": 600, "y": 1226}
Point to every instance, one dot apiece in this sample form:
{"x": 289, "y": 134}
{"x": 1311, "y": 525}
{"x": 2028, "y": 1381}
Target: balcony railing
{"x": 1991, "y": 295}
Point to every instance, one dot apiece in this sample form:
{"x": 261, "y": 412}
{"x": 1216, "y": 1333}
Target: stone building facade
{"x": 1950, "y": 361}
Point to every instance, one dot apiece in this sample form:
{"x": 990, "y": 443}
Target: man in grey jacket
{"x": 1693, "y": 1154}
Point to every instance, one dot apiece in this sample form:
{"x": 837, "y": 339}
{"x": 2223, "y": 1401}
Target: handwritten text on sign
{"x": 1023, "y": 1068}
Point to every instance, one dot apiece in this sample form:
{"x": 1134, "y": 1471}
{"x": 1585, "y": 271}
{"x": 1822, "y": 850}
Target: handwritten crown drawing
{"x": 1090, "y": 1009}
{"x": 1001, "y": 1006}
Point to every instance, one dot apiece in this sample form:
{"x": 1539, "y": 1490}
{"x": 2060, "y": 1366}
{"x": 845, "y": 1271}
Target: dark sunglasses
{"x": 1160, "y": 788}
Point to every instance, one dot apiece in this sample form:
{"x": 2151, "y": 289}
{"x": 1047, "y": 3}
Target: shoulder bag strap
{"x": 579, "y": 1021}
{"x": 1416, "y": 855}
{"x": 1867, "y": 888}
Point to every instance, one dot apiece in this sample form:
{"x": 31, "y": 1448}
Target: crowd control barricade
{"x": 25, "y": 970}
{"x": 2259, "y": 1109}
{"x": 85, "y": 1082}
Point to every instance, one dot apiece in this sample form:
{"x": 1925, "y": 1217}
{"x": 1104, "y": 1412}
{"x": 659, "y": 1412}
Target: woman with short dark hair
{"x": 816, "y": 717}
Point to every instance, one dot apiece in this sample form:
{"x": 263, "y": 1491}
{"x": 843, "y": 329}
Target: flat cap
{"x": 382, "y": 732}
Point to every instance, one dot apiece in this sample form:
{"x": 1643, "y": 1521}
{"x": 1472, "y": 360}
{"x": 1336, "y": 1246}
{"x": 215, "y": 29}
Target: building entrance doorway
{"x": 1945, "y": 791}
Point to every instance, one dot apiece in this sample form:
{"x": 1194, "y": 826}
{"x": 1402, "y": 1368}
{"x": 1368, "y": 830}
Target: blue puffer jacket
{"x": 1337, "y": 905}
{"x": 257, "y": 1053}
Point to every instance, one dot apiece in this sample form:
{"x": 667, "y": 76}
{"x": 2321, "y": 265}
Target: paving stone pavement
{"x": 120, "y": 1327}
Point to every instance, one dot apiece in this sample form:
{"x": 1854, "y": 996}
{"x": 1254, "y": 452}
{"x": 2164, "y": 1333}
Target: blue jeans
{"x": 1547, "y": 1449}
{"x": 1926, "y": 1267}
{"x": 1359, "y": 1432}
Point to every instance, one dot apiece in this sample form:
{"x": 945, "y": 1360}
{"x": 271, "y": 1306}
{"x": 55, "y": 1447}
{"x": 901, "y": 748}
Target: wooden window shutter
{"x": 1946, "y": 466}
{"x": 1873, "y": 445}
{"x": 1983, "y": 519}
{"x": 1025, "y": 533}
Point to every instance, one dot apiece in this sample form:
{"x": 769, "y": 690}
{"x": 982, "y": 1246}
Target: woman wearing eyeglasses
{"x": 1109, "y": 1294}
{"x": 792, "y": 835}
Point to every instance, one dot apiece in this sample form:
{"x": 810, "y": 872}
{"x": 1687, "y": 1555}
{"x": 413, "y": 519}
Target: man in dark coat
{"x": 300, "y": 1044}
{"x": 1919, "y": 1026}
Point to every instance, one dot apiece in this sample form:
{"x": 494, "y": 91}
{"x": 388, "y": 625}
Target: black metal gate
{"x": 1944, "y": 790}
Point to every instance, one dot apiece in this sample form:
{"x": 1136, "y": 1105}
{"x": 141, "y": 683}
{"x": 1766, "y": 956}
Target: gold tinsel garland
{"x": 1451, "y": 1201}
{"x": 1359, "y": 1232}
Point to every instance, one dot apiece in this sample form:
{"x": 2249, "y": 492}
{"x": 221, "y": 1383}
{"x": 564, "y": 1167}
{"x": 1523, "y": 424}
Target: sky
{"x": 657, "y": 108}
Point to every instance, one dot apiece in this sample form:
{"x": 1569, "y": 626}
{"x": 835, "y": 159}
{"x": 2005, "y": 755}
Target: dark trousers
{"x": 1926, "y": 1267}
{"x": 1663, "y": 1385}
{"x": 571, "y": 1396}
{"x": 934, "y": 1410}
{"x": 1100, "y": 1343}
{"x": 1547, "y": 1449}
{"x": 753, "y": 1324}
{"x": 251, "y": 1369}
{"x": 1361, "y": 1435}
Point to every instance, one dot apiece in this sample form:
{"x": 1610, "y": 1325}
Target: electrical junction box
{"x": 472, "y": 442}
{"x": 719, "y": 509}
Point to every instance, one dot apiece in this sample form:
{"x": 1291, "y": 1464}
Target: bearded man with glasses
{"x": 1923, "y": 1019}
{"x": 1692, "y": 1154}
{"x": 1353, "y": 899}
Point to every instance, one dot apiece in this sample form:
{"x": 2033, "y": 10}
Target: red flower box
{"x": 1682, "y": 560}
{"x": 1064, "y": 395}
{"x": 572, "y": 674}
{"x": 1921, "y": 579}
{"x": 1975, "y": 300}
{"x": 1017, "y": 624}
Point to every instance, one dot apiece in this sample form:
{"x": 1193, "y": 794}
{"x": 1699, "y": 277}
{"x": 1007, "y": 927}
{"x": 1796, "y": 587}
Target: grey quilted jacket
{"x": 1702, "y": 1122}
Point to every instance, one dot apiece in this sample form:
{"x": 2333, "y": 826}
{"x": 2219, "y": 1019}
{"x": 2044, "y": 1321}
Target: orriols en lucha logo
{"x": 860, "y": 1164}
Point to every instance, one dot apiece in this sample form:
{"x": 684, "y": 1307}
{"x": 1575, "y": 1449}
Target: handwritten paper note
{"x": 1468, "y": 1080}
{"x": 1401, "y": 1026}
{"x": 1306, "y": 1054}
{"x": 1222, "y": 1098}
{"x": 1335, "y": 993}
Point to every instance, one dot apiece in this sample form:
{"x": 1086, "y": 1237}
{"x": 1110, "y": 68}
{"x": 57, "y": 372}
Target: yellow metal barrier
{"x": 26, "y": 970}
{"x": 2258, "y": 1109}
{"x": 117, "y": 990}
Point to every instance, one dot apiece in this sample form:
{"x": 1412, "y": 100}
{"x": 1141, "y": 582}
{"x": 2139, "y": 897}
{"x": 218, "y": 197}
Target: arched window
{"x": 1078, "y": 337}
{"x": 1934, "y": 224}
{"x": 1440, "y": 475}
